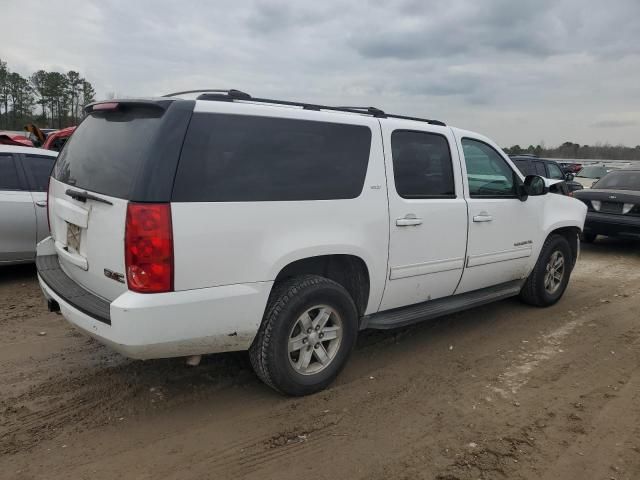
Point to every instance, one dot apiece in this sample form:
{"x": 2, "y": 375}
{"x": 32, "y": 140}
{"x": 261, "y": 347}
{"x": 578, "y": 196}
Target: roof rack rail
{"x": 232, "y": 95}
{"x": 376, "y": 112}
{"x": 236, "y": 94}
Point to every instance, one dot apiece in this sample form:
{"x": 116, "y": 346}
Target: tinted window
{"x": 106, "y": 151}
{"x": 8, "y": 174}
{"x": 422, "y": 165}
{"x": 540, "y": 170}
{"x": 555, "y": 172}
{"x": 488, "y": 173}
{"x": 620, "y": 180}
{"x": 238, "y": 158}
{"x": 38, "y": 170}
{"x": 525, "y": 167}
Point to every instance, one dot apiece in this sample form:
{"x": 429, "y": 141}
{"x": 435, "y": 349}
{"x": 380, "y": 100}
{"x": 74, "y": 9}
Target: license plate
{"x": 611, "y": 207}
{"x": 73, "y": 237}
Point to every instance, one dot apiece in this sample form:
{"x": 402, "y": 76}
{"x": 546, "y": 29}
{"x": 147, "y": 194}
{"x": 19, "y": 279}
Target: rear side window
{"x": 422, "y": 165}
{"x": 106, "y": 151}
{"x": 38, "y": 170}
{"x": 525, "y": 167}
{"x": 238, "y": 158}
{"x": 8, "y": 174}
{"x": 540, "y": 169}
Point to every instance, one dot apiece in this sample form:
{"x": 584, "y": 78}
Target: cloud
{"x": 614, "y": 123}
{"x": 519, "y": 72}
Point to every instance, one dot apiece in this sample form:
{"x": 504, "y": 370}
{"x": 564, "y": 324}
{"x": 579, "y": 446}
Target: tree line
{"x": 48, "y": 99}
{"x": 599, "y": 151}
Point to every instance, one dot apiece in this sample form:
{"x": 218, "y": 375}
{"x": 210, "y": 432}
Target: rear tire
{"x": 548, "y": 280}
{"x": 587, "y": 237}
{"x": 308, "y": 331}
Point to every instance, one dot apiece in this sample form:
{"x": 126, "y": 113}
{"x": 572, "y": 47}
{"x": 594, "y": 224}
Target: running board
{"x": 403, "y": 316}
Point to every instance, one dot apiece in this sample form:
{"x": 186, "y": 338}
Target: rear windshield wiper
{"x": 84, "y": 196}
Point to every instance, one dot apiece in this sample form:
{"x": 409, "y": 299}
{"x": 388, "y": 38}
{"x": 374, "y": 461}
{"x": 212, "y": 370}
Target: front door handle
{"x": 482, "y": 217}
{"x": 409, "y": 220}
{"x": 41, "y": 203}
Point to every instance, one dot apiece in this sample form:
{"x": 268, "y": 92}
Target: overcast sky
{"x": 519, "y": 71}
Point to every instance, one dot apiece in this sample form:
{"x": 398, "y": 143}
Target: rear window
{"x": 620, "y": 180}
{"x": 106, "y": 151}
{"x": 238, "y": 158}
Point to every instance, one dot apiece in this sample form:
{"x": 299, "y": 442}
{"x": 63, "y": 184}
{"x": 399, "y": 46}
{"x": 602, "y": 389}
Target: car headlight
{"x": 627, "y": 207}
{"x": 596, "y": 204}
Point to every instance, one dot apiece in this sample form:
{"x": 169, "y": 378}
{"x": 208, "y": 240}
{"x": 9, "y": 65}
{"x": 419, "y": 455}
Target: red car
{"x": 49, "y": 140}
{"x": 56, "y": 140}
{"x": 14, "y": 138}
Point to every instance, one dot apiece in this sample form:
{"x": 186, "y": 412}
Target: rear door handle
{"x": 41, "y": 203}
{"x": 482, "y": 217}
{"x": 409, "y": 220}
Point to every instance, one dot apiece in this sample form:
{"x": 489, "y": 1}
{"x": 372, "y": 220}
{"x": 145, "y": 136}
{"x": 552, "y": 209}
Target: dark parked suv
{"x": 532, "y": 165}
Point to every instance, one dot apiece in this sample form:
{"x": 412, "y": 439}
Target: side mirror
{"x": 535, "y": 185}
{"x": 569, "y": 177}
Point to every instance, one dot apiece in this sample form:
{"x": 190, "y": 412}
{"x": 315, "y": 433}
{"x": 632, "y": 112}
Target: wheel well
{"x": 348, "y": 270}
{"x": 571, "y": 234}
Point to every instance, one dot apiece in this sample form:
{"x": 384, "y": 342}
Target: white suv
{"x": 183, "y": 227}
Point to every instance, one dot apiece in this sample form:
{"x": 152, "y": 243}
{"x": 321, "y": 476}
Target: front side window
{"x": 488, "y": 173}
{"x": 38, "y": 170}
{"x": 422, "y": 165}
{"x": 8, "y": 174}
{"x": 242, "y": 158}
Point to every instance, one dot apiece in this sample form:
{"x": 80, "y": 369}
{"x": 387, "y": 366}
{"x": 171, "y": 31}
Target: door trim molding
{"x": 505, "y": 255}
{"x": 426, "y": 268}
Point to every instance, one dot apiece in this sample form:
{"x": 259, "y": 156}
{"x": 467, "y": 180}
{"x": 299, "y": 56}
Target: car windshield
{"x": 592, "y": 172}
{"x": 620, "y": 181}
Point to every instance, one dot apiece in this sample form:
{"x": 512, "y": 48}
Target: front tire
{"x": 549, "y": 279}
{"x": 308, "y": 331}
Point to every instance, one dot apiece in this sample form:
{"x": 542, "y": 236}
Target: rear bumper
{"x": 614, "y": 225}
{"x": 192, "y": 322}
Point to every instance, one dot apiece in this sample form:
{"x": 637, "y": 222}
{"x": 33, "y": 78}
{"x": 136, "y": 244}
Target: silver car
{"x": 24, "y": 177}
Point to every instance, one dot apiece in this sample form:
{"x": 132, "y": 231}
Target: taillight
{"x": 48, "y": 188}
{"x": 148, "y": 247}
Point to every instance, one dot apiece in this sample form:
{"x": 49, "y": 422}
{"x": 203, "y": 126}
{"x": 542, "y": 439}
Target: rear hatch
{"x": 124, "y": 151}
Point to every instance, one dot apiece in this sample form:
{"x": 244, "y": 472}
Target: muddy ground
{"x": 503, "y": 391}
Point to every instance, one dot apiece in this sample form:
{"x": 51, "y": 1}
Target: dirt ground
{"x": 502, "y": 391}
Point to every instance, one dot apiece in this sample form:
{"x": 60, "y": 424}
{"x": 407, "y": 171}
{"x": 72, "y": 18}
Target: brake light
{"x": 105, "y": 106}
{"x": 148, "y": 247}
{"x": 48, "y": 187}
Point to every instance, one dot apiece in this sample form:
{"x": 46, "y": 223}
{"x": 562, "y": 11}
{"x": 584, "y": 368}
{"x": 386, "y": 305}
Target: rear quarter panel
{"x": 241, "y": 242}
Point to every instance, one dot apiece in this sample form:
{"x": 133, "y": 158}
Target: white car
{"x": 24, "y": 174}
{"x": 590, "y": 174}
{"x": 185, "y": 227}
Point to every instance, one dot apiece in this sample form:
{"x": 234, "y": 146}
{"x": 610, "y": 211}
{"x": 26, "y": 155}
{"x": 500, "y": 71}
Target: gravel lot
{"x": 502, "y": 391}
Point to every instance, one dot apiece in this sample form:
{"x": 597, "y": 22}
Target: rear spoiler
{"x": 114, "y": 105}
